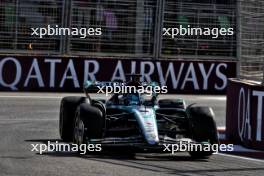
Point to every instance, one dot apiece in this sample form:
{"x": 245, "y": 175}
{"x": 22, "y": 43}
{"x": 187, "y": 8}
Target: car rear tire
{"x": 203, "y": 128}
{"x": 67, "y": 114}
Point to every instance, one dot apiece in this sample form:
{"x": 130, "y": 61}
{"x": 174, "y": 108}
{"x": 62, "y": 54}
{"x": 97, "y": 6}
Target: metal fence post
{"x": 263, "y": 75}
{"x": 238, "y": 38}
{"x": 158, "y": 29}
{"x": 62, "y": 41}
{"x": 66, "y": 22}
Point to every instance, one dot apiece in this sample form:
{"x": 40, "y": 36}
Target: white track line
{"x": 221, "y": 128}
{"x": 33, "y": 97}
{"x": 58, "y": 96}
{"x": 239, "y": 148}
{"x": 41, "y": 97}
{"x": 240, "y": 157}
{"x": 212, "y": 98}
{"x": 5, "y": 121}
{"x": 44, "y": 119}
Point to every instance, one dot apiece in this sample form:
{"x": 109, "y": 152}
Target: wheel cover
{"x": 78, "y": 130}
{"x": 61, "y": 120}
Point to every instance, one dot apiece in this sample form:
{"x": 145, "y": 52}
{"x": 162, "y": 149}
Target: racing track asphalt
{"x": 33, "y": 118}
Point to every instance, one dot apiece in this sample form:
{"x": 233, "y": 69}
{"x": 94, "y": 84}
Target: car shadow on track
{"x": 181, "y": 164}
{"x": 114, "y": 154}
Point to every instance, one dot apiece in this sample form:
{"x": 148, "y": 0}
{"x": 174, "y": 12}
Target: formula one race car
{"x": 135, "y": 120}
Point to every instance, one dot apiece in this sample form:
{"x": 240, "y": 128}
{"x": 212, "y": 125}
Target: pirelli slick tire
{"x": 94, "y": 121}
{"x": 67, "y": 114}
{"x": 203, "y": 129}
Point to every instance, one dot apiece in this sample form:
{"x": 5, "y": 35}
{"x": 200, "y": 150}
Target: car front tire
{"x": 67, "y": 113}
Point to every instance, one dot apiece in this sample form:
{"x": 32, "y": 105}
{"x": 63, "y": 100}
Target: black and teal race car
{"x": 137, "y": 121}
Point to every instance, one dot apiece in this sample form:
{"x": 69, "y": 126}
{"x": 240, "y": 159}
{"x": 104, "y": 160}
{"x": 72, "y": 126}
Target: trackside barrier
{"x": 245, "y": 113}
{"x": 67, "y": 74}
